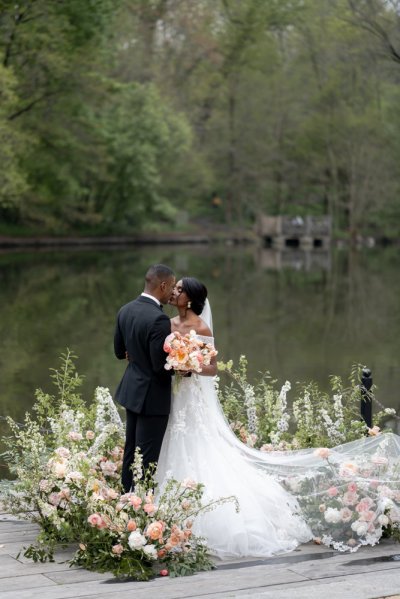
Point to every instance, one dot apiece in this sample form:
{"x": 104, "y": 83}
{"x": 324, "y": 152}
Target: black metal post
{"x": 366, "y": 401}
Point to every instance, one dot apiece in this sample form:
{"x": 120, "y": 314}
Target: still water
{"x": 300, "y": 316}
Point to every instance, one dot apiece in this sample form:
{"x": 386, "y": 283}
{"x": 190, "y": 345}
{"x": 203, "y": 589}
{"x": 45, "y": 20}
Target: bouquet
{"x": 187, "y": 352}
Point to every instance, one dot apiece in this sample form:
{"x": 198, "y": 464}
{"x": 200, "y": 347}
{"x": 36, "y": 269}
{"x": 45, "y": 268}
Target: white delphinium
{"x": 280, "y": 414}
{"x": 332, "y": 427}
{"x": 106, "y": 412}
{"x": 108, "y": 420}
{"x": 304, "y": 413}
{"x": 249, "y": 402}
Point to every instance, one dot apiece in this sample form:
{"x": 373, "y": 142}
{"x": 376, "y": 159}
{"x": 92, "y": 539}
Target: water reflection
{"x": 301, "y": 315}
{"x": 298, "y": 259}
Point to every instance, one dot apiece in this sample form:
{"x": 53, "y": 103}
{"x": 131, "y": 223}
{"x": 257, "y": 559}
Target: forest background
{"x": 121, "y": 115}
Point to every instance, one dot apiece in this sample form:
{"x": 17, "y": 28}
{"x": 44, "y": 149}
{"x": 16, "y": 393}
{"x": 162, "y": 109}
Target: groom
{"x": 145, "y": 388}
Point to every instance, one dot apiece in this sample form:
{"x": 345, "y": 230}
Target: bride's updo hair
{"x": 196, "y": 292}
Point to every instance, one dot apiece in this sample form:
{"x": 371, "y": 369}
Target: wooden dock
{"x": 370, "y": 573}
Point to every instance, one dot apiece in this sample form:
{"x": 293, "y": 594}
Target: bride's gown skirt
{"x": 199, "y": 445}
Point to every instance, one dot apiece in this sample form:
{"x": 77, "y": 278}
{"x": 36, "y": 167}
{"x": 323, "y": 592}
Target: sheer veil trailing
{"x": 206, "y": 315}
{"x": 343, "y": 496}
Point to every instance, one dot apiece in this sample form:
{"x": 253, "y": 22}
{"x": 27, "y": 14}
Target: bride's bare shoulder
{"x": 174, "y": 323}
{"x": 203, "y": 329}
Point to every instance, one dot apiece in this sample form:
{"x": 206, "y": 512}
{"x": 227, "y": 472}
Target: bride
{"x": 199, "y": 445}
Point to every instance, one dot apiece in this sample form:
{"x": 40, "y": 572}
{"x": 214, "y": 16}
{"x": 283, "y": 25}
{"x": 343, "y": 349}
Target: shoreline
{"x": 229, "y": 237}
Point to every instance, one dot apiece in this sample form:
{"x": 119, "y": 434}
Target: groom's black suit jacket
{"x": 141, "y": 330}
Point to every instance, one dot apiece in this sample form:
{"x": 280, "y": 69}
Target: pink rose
{"x": 63, "y": 452}
{"x": 350, "y": 498}
{"x": 348, "y": 469}
{"x": 108, "y": 468}
{"x": 54, "y": 498}
{"x": 149, "y": 508}
{"x": 135, "y": 501}
{"x": 74, "y": 436}
{"x": 96, "y": 521}
{"x": 352, "y": 487}
{"x": 364, "y": 505}
{"x": 111, "y": 493}
{"x": 322, "y": 452}
{"x": 346, "y": 514}
{"x": 332, "y": 491}
{"x": 117, "y": 549}
{"x": 367, "y": 516}
{"x": 188, "y": 483}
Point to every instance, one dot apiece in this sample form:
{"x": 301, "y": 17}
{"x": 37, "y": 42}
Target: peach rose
{"x": 117, "y": 549}
{"x": 60, "y": 469}
{"x": 322, "y": 452}
{"x": 350, "y": 498}
{"x": 374, "y": 431}
{"x": 155, "y": 530}
{"x": 89, "y": 435}
{"x": 131, "y": 526}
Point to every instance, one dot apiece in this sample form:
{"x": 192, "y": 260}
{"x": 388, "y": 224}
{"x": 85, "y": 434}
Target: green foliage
{"x": 259, "y": 414}
{"x": 117, "y": 113}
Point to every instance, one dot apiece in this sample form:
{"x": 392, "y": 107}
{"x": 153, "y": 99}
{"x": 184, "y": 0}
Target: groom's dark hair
{"x": 196, "y": 292}
{"x": 156, "y": 274}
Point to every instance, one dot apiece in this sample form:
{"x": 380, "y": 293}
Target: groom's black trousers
{"x": 147, "y": 433}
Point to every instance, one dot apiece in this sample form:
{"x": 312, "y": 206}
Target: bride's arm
{"x": 210, "y": 370}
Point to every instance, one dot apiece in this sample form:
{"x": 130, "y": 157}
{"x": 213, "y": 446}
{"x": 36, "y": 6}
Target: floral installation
{"x": 260, "y": 416}
{"x": 350, "y": 502}
{"x": 67, "y": 465}
{"x": 187, "y": 352}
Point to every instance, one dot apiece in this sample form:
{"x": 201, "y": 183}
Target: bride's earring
{"x": 189, "y": 304}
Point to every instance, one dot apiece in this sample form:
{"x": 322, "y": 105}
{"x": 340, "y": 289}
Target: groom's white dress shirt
{"x": 151, "y": 297}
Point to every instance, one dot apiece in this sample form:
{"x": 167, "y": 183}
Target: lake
{"x": 302, "y": 316}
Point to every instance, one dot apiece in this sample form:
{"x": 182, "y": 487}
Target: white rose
{"x": 360, "y": 527}
{"x": 332, "y": 515}
{"x": 383, "y": 520}
{"x": 151, "y": 551}
{"x": 136, "y": 540}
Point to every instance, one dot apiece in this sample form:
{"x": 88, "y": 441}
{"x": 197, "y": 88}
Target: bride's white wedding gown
{"x": 199, "y": 445}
